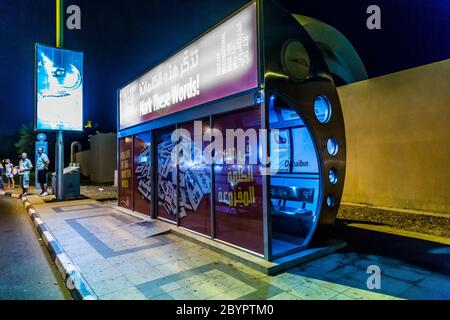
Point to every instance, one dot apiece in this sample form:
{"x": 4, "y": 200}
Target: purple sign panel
{"x": 220, "y": 63}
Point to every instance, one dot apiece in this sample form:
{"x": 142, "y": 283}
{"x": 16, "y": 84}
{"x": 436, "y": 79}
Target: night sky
{"x": 122, "y": 39}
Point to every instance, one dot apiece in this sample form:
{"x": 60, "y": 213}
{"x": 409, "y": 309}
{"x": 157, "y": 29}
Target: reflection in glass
{"x": 195, "y": 180}
{"x": 142, "y": 184}
{"x": 167, "y": 175}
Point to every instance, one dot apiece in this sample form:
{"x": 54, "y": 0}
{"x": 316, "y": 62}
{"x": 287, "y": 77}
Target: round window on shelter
{"x": 332, "y": 176}
{"x": 332, "y": 146}
{"x": 322, "y": 109}
{"x": 331, "y": 202}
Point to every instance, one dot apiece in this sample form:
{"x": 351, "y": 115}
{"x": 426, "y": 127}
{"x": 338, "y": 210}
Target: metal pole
{"x": 59, "y": 23}
{"x": 59, "y": 166}
{"x": 60, "y": 135}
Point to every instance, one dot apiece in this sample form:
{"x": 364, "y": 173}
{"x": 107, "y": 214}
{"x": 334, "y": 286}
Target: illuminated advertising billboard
{"x": 59, "y": 89}
{"x": 220, "y": 63}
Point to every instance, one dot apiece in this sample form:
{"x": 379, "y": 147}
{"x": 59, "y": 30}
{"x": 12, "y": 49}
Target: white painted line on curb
{"x": 47, "y": 237}
{"x": 38, "y": 221}
{"x": 64, "y": 264}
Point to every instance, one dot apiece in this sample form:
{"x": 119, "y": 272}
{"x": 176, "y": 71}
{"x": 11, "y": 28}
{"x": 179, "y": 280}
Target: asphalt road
{"x": 26, "y": 269}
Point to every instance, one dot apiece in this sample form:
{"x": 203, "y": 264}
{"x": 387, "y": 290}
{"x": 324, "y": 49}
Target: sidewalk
{"x": 120, "y": 264}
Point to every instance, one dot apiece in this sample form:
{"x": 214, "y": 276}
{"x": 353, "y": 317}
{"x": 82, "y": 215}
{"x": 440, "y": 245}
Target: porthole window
{"x": 322, "y": 109}
{"x": 331, "y": 202}
{"x": 332, "y": 176}
{"x": 332, "y": 147}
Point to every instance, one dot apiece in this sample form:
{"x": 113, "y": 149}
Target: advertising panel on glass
{"x": 194, "y": 176}
{"x": 142, "y": 181}
{"x": 126, "y": 173}
{"x": 167, "y": 181}
{"x": 218, "y": 64}
{"x": 59, "y": 89}
{"x": 239, "y": 186}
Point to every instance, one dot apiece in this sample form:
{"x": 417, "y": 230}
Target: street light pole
{"x": 60, "y": 135}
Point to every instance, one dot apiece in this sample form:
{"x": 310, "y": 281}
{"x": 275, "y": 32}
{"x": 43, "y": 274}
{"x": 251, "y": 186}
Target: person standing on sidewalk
{"x": 25, "y": 170}
{"x": 1, "y": 176}
{"x": 9, "y": 167}
{"x": 42, "y": 168}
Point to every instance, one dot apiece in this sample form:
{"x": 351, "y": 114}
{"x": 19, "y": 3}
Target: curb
{"x": 73, "y": 279}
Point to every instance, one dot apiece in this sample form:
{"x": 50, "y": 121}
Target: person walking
{"x": 9, "y": 168}
{"x": 42, "y": 164}
{"x": 25, "y": 170}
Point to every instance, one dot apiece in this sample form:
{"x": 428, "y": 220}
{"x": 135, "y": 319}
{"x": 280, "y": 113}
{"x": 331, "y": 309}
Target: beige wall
{"x": 103, "y": 157}
{"x": 100, "y": 161}
{"x": 83, "y": 158}
{"x": 398, "y": 139}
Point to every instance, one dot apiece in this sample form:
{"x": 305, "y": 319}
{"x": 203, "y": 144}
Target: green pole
{"x": 59, "y": 23}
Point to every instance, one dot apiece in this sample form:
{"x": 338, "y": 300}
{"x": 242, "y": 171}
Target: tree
{"x": 26, "y": 139}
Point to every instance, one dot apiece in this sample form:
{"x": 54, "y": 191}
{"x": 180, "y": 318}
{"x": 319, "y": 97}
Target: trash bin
{"x": 71, "y": 183}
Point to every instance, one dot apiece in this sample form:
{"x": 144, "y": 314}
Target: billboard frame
{"x": 259, "y": 72}
{"x": 35, "y": 79}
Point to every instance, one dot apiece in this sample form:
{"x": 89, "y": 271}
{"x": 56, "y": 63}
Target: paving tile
{"x": 195, "y": 262}
{"x": 263, "y": 293}
{"x": 328, "y": 284}
{"x": 125, "y": 294}
{"x": 410, "y": 275}
{"x": 221, "y": 280}
{"x": 122, "y": 265}
{"x": 234, "y": 294}
{"x": 84, "y": 261}
{"x": 205, "y": 291}
{"x": 150, "y": 291}
{"x": 100, "y": 273}
{"x": 342, "y": 297}
{"x": 76, "y": 251}
{"x": 182, "y": 294}
{"x": 358, "y": 294}
{"x": 393, "y": 287}
{"x": 284, "y": 296}
{"x": 312, "y": 291}
{"x": 124, "y": 259}
{"x": 285, "y": 281}
{"x": 172, "y": 286}
{"x": 172, "y": 267}
{"x": 164, "y": 296}
{"x": 91, "y": 266}
{"x": 252, "y": 273}
{"x": 111, "y": 285}
{"x": 161, "y": 259}
{"x": 432, "y": 287}
{"x": 136, "y": 266}
{"x": 140, "y": 278}
{"x": 149, "y": 253}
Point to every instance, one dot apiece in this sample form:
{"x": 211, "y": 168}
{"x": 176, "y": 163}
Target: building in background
{"x": 98, "y": 163}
